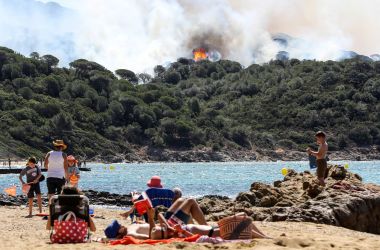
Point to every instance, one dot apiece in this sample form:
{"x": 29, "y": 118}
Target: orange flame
{"x": 199, "y": 54}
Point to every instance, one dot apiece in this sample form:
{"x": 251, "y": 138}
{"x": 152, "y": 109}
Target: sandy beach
{"x": 18, "y": 232}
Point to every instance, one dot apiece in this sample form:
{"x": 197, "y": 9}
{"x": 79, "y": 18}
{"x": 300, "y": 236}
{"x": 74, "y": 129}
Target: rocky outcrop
{"x": 345, "y": 201}
{"x": 95, "y": 197}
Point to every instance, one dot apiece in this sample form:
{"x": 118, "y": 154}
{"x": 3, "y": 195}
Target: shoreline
{"x": 147, "y": 154}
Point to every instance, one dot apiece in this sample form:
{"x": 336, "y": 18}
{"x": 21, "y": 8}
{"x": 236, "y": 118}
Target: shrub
{"x": 361, "y": 136}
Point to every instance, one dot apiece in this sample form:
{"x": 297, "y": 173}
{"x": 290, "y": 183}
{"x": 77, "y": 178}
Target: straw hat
{"x": 59, "y": 143}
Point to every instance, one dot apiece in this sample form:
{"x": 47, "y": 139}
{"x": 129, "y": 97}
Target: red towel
{"x": 130, "y": 240}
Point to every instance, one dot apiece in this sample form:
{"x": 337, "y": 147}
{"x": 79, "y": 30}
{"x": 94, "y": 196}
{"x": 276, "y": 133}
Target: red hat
{"x": 155, "y": 181}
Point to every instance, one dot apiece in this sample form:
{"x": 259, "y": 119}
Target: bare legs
{"x": 39, "y": 202}
{"x": 190, "y": 207}
{"x": 49, "y": 196}
{"x": 322, "y": 181}
{"x": 30, "y": 206}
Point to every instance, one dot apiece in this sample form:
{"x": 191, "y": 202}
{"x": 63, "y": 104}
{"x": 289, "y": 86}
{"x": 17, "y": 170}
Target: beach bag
{"x": 236, "y": 227}
{"x": 69, "y": 229}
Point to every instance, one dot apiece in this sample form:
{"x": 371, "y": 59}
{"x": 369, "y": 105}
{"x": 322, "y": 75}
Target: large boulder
{"x": 345, "y": 201}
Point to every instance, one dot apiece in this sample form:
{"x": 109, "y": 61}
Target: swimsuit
{"x": 178, "y": 218}
{"x": 321, "y": 168}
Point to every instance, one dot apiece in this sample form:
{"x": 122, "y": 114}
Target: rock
{"x": 353, "y": 205}
{"x": 338, "y": 172}
{"x": 277, "y": 183}
{"x": 214, "y": 203}
{"x": 305, "y": 185}
{"x": 314, "y": 190}
{"x": 284, "y": 203}
{"x": 247, "y": 196}
{"x": 268, "y": 201}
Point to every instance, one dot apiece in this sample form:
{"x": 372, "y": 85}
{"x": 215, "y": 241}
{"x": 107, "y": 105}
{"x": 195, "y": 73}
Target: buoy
{"x": 284, "y": 171}
{"x": 346, "y": 166}
{"x": 112, "y": 168}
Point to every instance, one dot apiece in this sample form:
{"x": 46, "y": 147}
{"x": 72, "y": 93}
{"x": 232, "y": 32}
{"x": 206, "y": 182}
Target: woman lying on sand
{"x": 173, "y": 224}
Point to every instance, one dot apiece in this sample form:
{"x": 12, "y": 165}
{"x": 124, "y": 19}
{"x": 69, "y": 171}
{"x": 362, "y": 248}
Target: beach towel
{"x": 129, "y": 240}
{"x": 312, "y": 161}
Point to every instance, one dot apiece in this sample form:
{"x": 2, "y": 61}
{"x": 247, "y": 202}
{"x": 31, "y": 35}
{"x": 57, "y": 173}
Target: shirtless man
{"x": 321, "y": 156}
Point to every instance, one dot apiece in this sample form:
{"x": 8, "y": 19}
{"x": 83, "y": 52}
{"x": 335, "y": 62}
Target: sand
{"x": 18, "y": 232}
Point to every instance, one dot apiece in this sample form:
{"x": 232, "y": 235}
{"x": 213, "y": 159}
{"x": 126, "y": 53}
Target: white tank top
{"x": 56, "y": 166}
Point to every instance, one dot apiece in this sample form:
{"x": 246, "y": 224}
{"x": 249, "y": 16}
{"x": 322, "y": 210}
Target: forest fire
{"x": 199, "y": 54}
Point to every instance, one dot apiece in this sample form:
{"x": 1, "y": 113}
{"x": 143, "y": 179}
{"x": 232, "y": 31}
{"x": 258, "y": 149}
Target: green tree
{"x": 50, "y": 60}
{"x": 127, "y": 75}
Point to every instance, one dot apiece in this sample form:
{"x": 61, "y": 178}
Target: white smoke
{"x": 139, "y": 34}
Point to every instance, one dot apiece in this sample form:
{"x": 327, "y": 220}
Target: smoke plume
{"x": 139, "y": 34}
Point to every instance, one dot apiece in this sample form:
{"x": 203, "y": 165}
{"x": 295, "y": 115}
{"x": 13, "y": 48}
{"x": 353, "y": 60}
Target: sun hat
{"x": 59, "y": 143}
{"x": 155, "y": 181}
{"x": 72, "y": 158}
{"x": 112, "y": 230}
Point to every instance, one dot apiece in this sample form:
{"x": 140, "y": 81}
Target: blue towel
{"x": 312, "y": 161}
{"x": 160, "y": 196}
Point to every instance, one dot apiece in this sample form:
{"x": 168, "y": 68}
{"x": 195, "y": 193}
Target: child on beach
{"x": 74, "y": 173}
{"x": 33, "y": 174}
{"x": 321, "y": 156}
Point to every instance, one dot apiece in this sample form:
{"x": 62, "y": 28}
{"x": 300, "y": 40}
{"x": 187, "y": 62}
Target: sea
{"x": 194, "y": 179}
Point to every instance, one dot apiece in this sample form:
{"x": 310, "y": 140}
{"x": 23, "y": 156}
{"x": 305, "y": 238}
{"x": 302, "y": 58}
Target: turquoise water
{"x": 195, "y": 179}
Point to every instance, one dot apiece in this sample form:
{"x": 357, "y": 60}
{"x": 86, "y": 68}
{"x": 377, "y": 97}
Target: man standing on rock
{"x": 321, "y": 156}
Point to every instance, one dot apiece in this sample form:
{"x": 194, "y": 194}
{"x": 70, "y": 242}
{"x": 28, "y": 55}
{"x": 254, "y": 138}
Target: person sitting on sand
{"x": 71, "y": 190}
{"x": 321, "y": 156}
{"x": 33, "y": 174}
{"x": 177, "y": 194}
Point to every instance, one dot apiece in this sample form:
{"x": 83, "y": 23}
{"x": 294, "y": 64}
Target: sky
{"x": 139, "y": 34}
